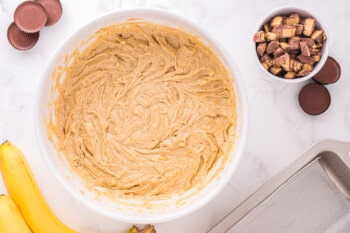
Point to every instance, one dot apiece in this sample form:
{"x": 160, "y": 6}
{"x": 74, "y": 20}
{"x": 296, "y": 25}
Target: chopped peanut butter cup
{"x": 19, "y": 39}
{"x": 53, "y": 9}
{"x": 292, "y": 45}
{"x": 314, "y": 99}
{"x": 30, "y": 16}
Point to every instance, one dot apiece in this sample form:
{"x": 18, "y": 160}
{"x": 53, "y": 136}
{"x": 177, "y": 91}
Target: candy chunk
{"x": 284, "y": 61}
{"x": 272, "y": 46}
{"x": 259, "y": 37}
{"x": 276, "y": 70}
{"x": 290, "y": 75}
{"x": 316, "y": 57}
{"x": 266, "y": 27}
{"x": 288, "y": 31}
{"x": 277, "y": 30}
{"x": 309, "y": 41}
{"x": 295, "y": 65}
{"x": 265, "y": 57}
{"x": 266, "y": 64}
{"x": 292, "y": 20}
{"x": 319, "y": 36}
{"x": 277, "y": 20}
{"x": 261, "y": 48}
{"x": 304, "y": 72}
{"x": 278, "y": 52}
{"x": 294, "y": 43}
{"x": 306, "y": 59}
{"x": 309, "y": 26}
{"x": 271, "y": 36}
{"x": 285, "y": 46}
{"x": 304, "y": 48}
{"x": 299, "y": 29}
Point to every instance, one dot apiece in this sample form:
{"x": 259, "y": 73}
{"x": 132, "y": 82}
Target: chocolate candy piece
{"x": 53, "y": 9}
{"x": 330, "y": 72}
{"x": 314, "y": 99}
{"x": 30, "y": 16}
{"x": 19, "y": 39}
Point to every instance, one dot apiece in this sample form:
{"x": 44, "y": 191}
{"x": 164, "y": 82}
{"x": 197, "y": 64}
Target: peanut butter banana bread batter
{"x": 145, "y": 111}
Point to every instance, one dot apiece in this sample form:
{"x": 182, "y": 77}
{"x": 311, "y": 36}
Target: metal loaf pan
{"x": 310, "y": 195}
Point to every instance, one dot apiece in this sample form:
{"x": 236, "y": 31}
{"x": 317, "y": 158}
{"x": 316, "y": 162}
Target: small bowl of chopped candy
{"x": 291, "y": 44}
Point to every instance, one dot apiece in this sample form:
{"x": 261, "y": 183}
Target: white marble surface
{"x": 279, "y": 131}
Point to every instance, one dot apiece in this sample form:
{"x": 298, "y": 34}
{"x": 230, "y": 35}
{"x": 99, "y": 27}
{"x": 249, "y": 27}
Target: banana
{"x": 11, "y": 220}
{"x": 24, "y": 191}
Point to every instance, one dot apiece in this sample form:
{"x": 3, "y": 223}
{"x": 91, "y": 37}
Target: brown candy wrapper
{"x": 330, "y": 72}
{"x": 21, "y": 40}
{"x": 314, "y": 99}
{"x": 30, "y": 16}
{"x": 53, "y": 9}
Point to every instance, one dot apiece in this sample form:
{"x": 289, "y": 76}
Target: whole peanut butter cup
{"x": 53, "y": 9}
{"x": 19, "y": 39}
{"x": 314, "y": 99}
{"x": 330, "y": 72}
{"x": 30, "y": 16}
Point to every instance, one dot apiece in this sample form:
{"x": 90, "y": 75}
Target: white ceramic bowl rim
{"x": 153, "y": 15}
{"x": 283, "y": 10}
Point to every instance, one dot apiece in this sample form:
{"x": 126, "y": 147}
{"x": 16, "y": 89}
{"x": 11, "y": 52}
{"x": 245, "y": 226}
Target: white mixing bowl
{"x": 169, "y": 209}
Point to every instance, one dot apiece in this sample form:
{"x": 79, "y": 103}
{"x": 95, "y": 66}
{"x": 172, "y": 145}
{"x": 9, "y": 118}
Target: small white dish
{"x": 286, "y": 11}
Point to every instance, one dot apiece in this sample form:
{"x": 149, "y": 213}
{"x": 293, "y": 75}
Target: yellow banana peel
{"x": 24, "y": 191}
{"x": 11, "y": 219}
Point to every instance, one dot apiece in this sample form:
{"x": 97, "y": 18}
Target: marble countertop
{"x": 279, "y": 130}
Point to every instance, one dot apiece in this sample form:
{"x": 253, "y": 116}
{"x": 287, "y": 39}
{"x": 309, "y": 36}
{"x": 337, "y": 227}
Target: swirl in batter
{"x": 145, "y": 111}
